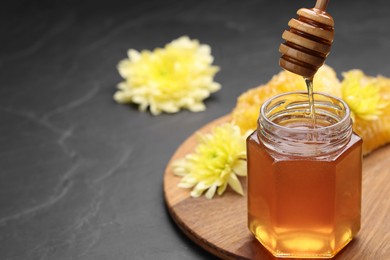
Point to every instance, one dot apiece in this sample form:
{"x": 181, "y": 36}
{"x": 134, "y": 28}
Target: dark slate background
{"x": 81, "y": 176}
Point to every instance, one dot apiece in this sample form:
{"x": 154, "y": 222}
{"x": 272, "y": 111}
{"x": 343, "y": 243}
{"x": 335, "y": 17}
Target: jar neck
{"x": 285, "y": 125}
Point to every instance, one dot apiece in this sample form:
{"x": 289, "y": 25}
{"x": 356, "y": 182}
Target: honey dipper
{"x": 309, "y": 40}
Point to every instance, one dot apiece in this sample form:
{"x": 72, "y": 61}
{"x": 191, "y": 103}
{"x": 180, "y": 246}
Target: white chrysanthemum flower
{"x": 216, "y": 162}
{"x": 168, "y": 79}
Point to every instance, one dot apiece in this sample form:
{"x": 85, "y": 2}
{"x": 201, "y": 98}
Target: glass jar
{"x": 304, "y": 178}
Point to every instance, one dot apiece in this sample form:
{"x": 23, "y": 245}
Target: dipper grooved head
{"x": 308, "y": 41}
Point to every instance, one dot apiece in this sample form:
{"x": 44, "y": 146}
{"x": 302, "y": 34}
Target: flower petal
{"x": 240, "y": 168}
{"x": 211, "y": 191}
{"x": 196, "y": 193}
{"x": 234, "y": 182}
{"x": 222, "y": 188}
{"x": 197, "y": 107}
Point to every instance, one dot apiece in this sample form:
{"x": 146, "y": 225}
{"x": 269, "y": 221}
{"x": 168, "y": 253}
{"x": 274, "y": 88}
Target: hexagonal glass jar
{"x": 304, "y": 177}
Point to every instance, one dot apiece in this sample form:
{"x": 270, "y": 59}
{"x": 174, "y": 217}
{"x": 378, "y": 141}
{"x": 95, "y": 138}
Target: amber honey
{"x": 304, "y": 193}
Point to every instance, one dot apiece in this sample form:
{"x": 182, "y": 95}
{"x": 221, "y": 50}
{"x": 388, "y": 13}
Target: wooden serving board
{"x": 220, "y": 225}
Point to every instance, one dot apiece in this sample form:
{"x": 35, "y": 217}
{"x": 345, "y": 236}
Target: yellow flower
{"x": 362, "y": 95}
{"x": 168, "y": 79}
{"x": 216, "y": 162}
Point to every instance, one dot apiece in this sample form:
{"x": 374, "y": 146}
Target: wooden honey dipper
{"x": 309, "y": 40}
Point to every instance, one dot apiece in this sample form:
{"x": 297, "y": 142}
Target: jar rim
{"x": 346, "y": 117}
{"x": 331, "y": 135}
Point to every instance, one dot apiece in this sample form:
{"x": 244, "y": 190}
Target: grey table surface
{"x": 81, "y": 176}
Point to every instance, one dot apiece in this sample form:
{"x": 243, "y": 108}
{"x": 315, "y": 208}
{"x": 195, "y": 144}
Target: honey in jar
{"x": 304, "y": 179}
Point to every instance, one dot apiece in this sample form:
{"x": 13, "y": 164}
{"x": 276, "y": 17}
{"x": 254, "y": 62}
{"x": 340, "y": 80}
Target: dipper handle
{"x": 308, "y": 41}
{"x": 321, "y": 4}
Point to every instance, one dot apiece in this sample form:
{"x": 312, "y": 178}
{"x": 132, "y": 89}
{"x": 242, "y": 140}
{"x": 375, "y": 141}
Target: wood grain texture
{"x": 220, "y": 225}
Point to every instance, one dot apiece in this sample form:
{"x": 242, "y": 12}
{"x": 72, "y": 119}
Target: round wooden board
{"x": 220, "y": 225}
